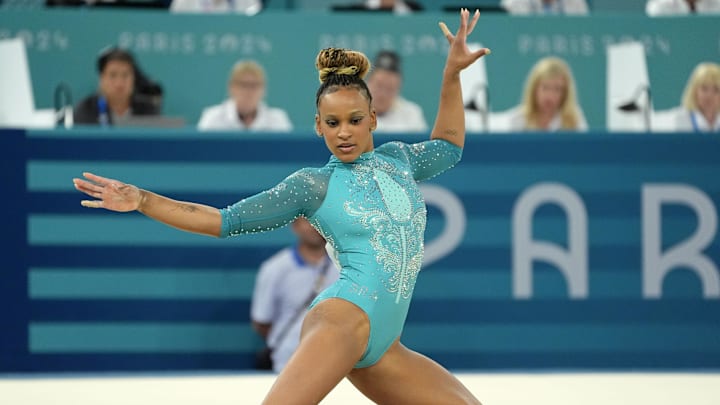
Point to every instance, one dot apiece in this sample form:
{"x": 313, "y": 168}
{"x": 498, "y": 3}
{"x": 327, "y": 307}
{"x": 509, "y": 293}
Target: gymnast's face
{"x": 345, "y": 121}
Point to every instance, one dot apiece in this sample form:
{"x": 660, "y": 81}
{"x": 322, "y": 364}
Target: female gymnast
{"x": 366, "y": 203}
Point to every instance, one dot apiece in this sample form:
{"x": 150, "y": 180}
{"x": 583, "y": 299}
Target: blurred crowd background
{"x": 247, "y": 65}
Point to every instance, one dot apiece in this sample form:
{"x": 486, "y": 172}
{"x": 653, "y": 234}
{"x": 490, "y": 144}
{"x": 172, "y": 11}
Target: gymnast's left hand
{"x": 459, "y": 55}
{"x": 110, "y": 194}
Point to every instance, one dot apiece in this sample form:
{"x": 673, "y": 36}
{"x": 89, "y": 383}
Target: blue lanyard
{"x": 693, "y": 120}
{"x": 696, "y": 127}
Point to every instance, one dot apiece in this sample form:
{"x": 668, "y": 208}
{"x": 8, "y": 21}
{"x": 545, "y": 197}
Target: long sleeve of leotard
{"x": 300, "y": 194}
{"x": 427, "y": 159}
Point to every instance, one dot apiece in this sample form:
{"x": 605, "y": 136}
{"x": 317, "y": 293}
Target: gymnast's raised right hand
{"x": 110, "y": 194}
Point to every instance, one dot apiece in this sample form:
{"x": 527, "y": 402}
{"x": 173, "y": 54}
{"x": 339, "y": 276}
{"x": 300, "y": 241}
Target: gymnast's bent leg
{"x": 334, "y": 337}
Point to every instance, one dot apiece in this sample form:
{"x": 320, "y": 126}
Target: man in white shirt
{"x": 655, "y": 8}
{"x": 284, "y": 287}
{"x": 394, "y": 113}
{"x": 540, "y": 7}
{"x": 245, "y": 109}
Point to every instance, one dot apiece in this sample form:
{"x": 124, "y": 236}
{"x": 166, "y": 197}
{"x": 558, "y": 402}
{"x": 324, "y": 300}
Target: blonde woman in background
{"x": 700, "y": 110}
{"x": 549, "y": 101}
{"x": 245, "y": 108}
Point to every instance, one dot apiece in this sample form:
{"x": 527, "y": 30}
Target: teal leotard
{"x": 372, "y": 213}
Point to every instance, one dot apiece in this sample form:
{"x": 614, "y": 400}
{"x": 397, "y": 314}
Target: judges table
{"x": 543, "y": 252}
{"x": 191, "y": 55}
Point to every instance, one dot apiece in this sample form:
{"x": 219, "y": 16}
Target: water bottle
{"x": 103, "y": 115}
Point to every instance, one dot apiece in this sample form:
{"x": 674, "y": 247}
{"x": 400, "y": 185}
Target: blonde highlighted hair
{"x": 704, "y": 73}
{"x": 339, "y": 68}
{"x": 547, "y": 68}
{"x": 341, "y": 62}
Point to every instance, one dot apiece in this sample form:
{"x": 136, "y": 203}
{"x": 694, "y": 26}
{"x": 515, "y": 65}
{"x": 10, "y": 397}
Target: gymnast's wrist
{"x": 142, "y": 200}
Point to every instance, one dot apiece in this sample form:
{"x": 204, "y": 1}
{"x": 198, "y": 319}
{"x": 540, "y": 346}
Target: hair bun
{"x": 338, "y": 61}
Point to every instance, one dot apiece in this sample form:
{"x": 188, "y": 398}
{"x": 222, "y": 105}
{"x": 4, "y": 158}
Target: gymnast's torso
{"x": 372, "y": 214}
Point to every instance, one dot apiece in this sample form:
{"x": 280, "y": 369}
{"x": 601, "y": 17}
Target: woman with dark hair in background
{"x": 123, "y": 91}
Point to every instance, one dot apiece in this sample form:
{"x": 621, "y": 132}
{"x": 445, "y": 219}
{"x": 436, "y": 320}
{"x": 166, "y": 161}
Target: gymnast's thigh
{"x": 336, "y": 313}
{"x": 385, "y": 324}
{"x": 403, "y": 376}
{"x": 381, "y": 338}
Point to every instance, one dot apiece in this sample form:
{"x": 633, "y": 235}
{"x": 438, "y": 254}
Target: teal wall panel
{"x": 92, "y": 290}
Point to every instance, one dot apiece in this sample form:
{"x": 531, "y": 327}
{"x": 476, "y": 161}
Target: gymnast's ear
{"x": 317, "y": 125}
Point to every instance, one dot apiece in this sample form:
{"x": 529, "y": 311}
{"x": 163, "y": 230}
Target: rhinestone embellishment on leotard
{"x": 397, "y": 226}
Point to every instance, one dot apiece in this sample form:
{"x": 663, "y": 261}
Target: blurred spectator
{"x": 124, "y": 91}
{"x": 535, "y": 7}
{"x": 394, "y": 113}
{"x": 700, "y": 110}
{"x": 655, "y": 8}
{"x": 245, "y": 109}
{"x": 399, "y": 7}
{"x": 248, "y": 7}
{"x": 549, "y": 100}
{"x": 284, "y": 288}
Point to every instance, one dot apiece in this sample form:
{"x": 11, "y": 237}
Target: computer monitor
{"x": 17, "y": 104}
{"x": 16, "y": 98}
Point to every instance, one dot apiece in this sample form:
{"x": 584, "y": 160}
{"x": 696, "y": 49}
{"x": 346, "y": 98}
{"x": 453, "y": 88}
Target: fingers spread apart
{"x": 464, "y": 29}
{"x": 445, "y": 29}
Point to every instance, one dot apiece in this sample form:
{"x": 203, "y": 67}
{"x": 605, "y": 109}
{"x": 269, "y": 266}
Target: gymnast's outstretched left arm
{"x": 450, "y": 119}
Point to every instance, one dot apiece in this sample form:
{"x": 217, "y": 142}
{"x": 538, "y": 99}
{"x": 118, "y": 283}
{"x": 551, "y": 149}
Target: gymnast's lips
{"x": 346, "y": 147}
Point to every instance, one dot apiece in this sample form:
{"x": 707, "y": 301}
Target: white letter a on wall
{"x": 571, "y": 261}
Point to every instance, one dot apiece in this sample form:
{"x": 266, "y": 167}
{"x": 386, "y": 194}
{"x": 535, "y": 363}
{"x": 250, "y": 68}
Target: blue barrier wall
{"x": 191, "y": 55}
{"x": 545, "y": 252}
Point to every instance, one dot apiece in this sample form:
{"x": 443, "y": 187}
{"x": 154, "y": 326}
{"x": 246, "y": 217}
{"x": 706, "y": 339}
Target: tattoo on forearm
{"x": 187, "y": 207}
{"x": 450, "y": 133}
